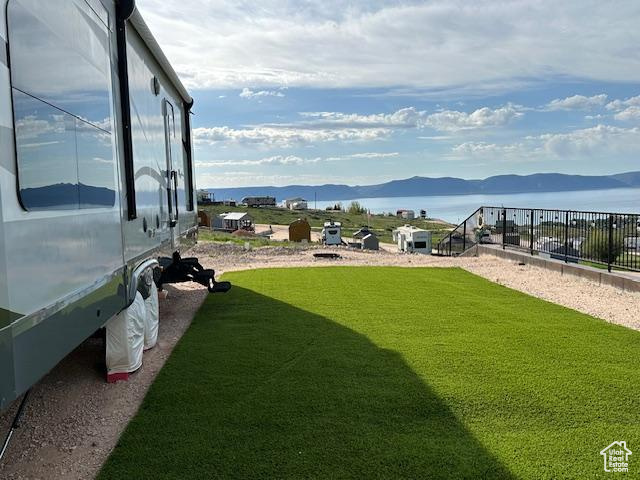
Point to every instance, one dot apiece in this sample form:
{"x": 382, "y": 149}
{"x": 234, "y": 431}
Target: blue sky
{"x": 306, "y": 92}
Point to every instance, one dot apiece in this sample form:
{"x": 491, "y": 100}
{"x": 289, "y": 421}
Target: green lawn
{"x": 385, "y": 373}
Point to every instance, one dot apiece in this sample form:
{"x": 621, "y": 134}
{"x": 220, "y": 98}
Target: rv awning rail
{"x": 147, "y": 37}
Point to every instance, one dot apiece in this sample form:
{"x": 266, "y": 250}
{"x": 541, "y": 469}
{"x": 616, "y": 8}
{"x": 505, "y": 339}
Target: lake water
{"x": 455, "y": 208}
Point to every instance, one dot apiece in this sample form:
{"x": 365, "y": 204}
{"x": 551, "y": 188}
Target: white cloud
{"x": 617, "y": 105}
{"x": 600, "y": 141}
{"x": 483, "y": 148}
{"x": 244, "y": 178}
{"x": 626, "y": 110}
{"x": 34, "y": 127}
{"x": 348, "y": 127}
{"x": 407, "y": 117}
{"x": 414, "y": 44}
{"x": 274, "y": 160}
{"x": 435, "y": 137}
{"x": 452, "y": 120}
{"x": 292, "y": 160}
{"x": 629, "y": 113}
{"x": 577, "y": 102}
{"x": 277, "y": 136}
{"x": 248, "y": 93}
{"x": 374, "y": 155}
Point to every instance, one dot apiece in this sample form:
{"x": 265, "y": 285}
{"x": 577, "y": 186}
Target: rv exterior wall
{"x": 67, "y": 245}
{"x": 54, "y": 284}
{"x": 150, "y": 153}
{"x": 411, "y": 239}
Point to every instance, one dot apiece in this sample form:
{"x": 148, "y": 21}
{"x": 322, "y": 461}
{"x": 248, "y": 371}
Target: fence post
{"x": 504, "y": 228}
{"x": 450, "y": 238}
{"x": 610, "y": 246}
{"x": 566, "y": 237}
{"x": 531, "y": 233}
{"x": 464, "y": 236}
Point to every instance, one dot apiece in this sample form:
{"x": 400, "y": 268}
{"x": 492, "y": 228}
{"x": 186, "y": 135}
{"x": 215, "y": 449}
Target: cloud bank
{"x": 225, "y": 44}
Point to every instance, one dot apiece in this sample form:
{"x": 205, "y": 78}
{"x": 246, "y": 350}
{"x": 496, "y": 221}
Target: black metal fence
{"x": 597, "y": 238}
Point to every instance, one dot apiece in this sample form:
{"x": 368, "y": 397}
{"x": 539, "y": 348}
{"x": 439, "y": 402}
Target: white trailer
{"x": 412, "y": 239}
{"x": 332, "y": 233}
{"x": 96, "y": 177}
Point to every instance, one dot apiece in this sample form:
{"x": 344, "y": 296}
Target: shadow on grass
{"x": 260, "y": 389}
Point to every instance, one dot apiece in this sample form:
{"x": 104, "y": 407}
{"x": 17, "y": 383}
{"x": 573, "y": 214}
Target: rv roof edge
{"x": 143, "y": 30}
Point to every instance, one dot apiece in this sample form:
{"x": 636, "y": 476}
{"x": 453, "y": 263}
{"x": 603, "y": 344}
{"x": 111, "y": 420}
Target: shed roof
{"x": 363, "y": 232}
{"x": 236, "y": 216}
{"x": 300, "y": 221}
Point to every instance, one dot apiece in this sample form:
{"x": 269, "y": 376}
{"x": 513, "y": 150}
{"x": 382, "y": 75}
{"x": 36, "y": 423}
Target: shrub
{"x": 356, "y": 208}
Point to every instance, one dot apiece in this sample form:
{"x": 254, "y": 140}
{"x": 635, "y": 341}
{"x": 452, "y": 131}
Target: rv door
{"x": 172, "y": 175}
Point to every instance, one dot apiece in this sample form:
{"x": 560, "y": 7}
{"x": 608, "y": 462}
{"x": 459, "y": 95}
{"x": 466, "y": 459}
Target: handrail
{"x": 449, "y": 238}
{"x": 595, "y": 238}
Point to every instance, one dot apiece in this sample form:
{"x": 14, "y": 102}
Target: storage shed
{"x": 238, "y": 221}
{"x": 411, "y": 239}
{"x": 360, "y": 234}
{"x": 217, "y": 222}
{"x": 299, "y": 230}
{"x": 203, "y": 219}
{"x": 370, "y": 242}
{"x": 365, "y": 239}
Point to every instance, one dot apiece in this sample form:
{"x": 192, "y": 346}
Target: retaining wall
{"x": 628, "y": 282}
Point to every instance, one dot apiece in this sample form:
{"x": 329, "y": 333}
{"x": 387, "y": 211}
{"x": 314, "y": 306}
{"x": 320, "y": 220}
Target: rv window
{"x": 420, "y": 245}
{"x": 61, "y": 79}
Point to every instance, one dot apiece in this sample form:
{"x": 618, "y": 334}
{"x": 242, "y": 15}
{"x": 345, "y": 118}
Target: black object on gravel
{"x": 326, "y": 255}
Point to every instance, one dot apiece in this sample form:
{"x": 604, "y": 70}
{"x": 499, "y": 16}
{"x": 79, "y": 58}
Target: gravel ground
{"x": 73, "y": 418}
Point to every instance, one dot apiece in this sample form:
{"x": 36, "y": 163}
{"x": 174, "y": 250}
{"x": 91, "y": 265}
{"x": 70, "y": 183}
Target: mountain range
{"x": 426, "y": 186}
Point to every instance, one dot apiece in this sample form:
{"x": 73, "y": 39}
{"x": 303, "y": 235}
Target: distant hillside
{"x": 424, "y": 186}
{"x": 67, "y": 195}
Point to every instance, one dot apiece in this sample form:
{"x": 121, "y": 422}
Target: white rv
{"x": 332, "y": 233}
{"x": 297, "y": 203}
{"x": 96, "y": 177}
{"x": 412, "y": 239}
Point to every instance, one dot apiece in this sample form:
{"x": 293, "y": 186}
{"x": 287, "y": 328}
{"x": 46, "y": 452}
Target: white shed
{"x": 297, "y": 203}
{"x": 332, "y": 233}
{"x": 237, "y": 221}
{"x": 412, "y": 239}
